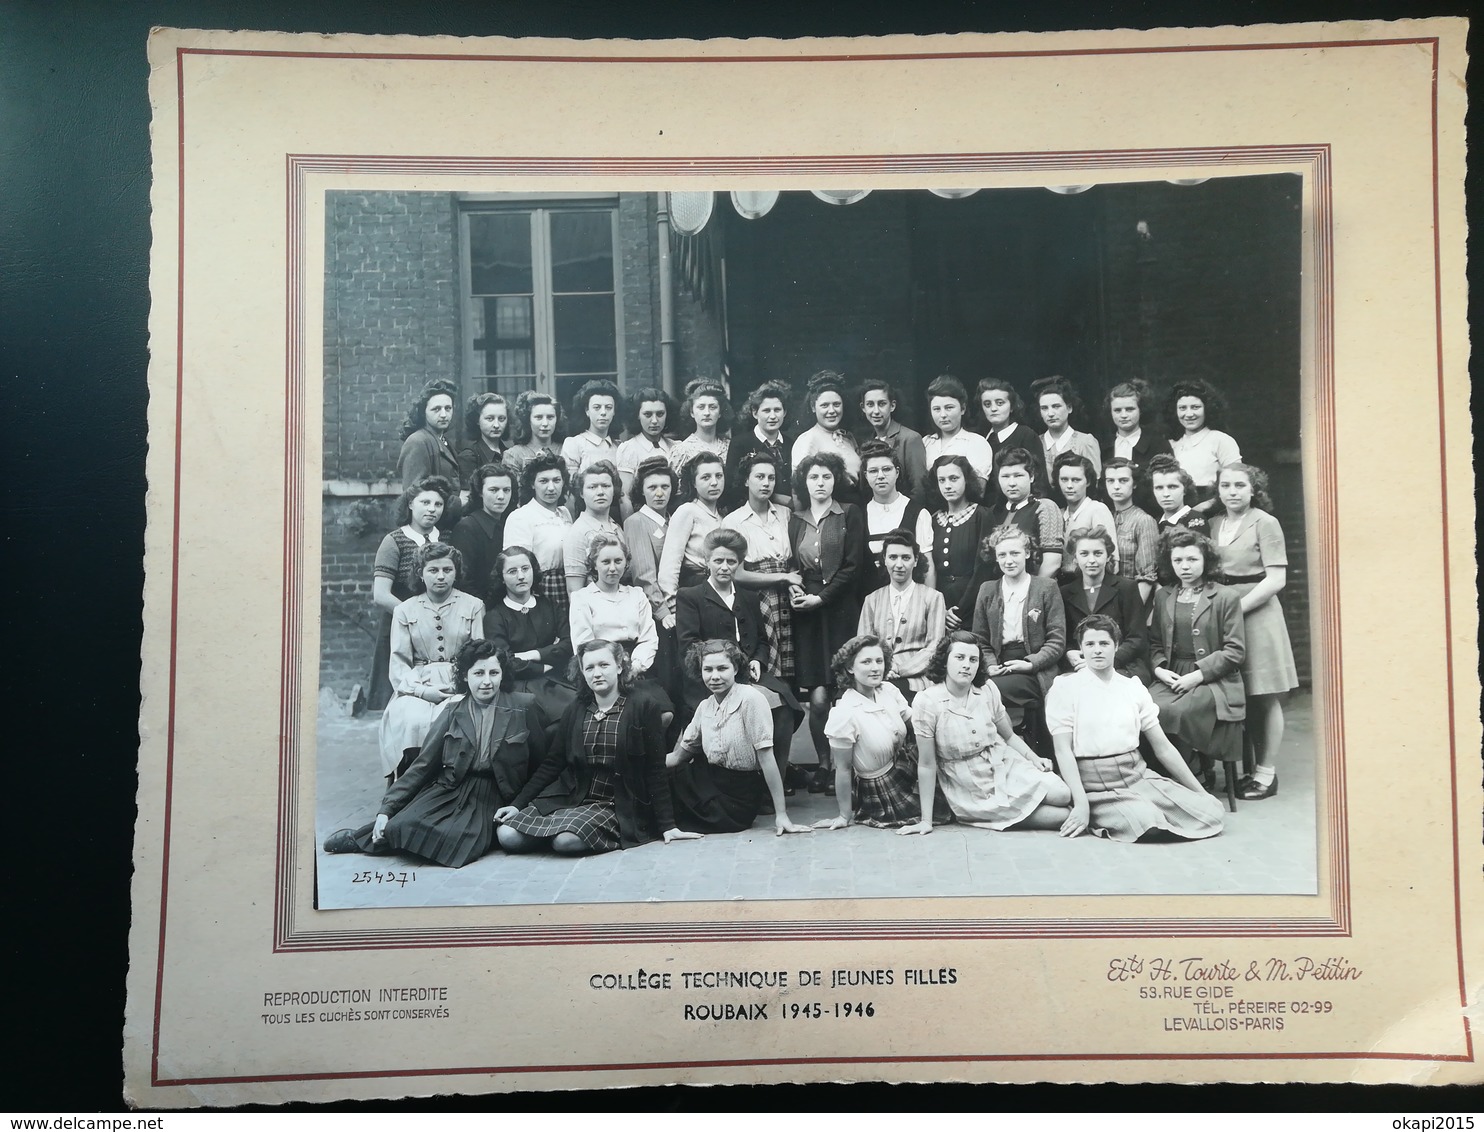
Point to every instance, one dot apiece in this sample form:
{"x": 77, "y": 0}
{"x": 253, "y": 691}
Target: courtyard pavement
{"x": 1267, "y": 847}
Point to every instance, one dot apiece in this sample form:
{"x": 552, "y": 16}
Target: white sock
{"x": 1263, "y": 774}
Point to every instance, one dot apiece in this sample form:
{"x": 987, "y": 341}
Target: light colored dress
{"x": 1126, "y": 799}
{"x": 1203, "y": 454}
{"x": 692, "y": 445}
{"x": 985, "y": 780}
{"x": 425, "y": 640}
{"x": 817, "y": 439}
{"x": 624, "y": 616}
{"x": 1257, "y": 543}
{"x": 578, "y": 537}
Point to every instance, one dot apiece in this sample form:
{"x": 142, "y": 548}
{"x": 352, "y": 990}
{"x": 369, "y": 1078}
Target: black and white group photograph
{"x": 805, "y": 545}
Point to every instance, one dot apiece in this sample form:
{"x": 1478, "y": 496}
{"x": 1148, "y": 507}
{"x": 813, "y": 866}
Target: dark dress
{"x": 614, "y": 789}
{"x": 543, "y": 630}
{"x": 956, "y": 556}
{"x": 830, "y": 566}
{"x": 401, "y": 574}
{"x": 473, "y": 762}
{"x": 745, "y": 443}
{"x": 875, "y": 576}
{"x": 479, "y": 537}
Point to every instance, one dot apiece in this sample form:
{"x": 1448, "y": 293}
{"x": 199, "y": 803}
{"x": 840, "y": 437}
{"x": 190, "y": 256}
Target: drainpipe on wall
{"x": 667, "y": 304}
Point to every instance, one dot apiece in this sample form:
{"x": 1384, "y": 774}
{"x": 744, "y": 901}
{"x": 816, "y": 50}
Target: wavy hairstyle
{"x": 1177, "y": 537}
{"x": 417, "y": 414}
{"x": 433, "y": 552}
{"x": 497, "y": 572}
{"x": 844, "y": 659}
{"x": 546, "y": 462}
{"x": 694, "y": 391}
{"x": 441, "y": 484}
{"x": 474, "y": 406}
{"x": 1062, "y": 388}
{"x": 752, "y": 460}
{"x": 1008, "y": 533}
{"x": 520, "y": 425}
{"x": 729, "y": 648}
{"x": 691, "y": 467}
{"x": 946, "y": 385}
{"x": 999, "y": 385}
{"x": 574, "y": 672}
{"x": 471, "y": 653}
{"x": 972, "y": 492}
{"x": 600, "y": 542}
{"x": 821, "y": 382}
{"x": 654, "y": 466}
{"x": 1208, "y": 396}
{"x": 482, "y": 475}
{"x": 637, "y": 401}
{"x": 878, "y": 450}
{"x": 827, "y": 460}
{"x": 1095, "y": 534}
{"x": 1259, "y": 481}
{"x": 1137, "y": 388}
{"x": 769, "y": 390}
{"x": 598, "y": 387}
{"x": 600, "y": 468}
{"x": 937, "y": 669}
{"x": 1098, "y": 622}
{"x": 1069, "y": 460}
{"x": 1166, "y": 465}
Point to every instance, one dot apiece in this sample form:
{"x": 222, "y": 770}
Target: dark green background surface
{"x": 74, "y": 247}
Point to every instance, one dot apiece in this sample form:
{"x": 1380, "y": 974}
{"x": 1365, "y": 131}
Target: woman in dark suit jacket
{"x": 1094, "y": 589}
{"x": 1197, "y": 641}
{"x": 609, "y": 757}
{"x": 477, "y": 757}
{"x": 426, "y": 447}
{"x": 829, "y": 546}
{"x": 1022, "y": 670}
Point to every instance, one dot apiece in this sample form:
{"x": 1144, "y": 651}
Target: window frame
{"x": 539, "y": 210}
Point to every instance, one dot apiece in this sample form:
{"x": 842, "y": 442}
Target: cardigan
{"x": 912, "y": 642}
{"x": 1043, "y": 626}
{"x": 842, "y": 547}
{"x": 424, "y": 454}
{"x": 1119, "y": 598}
{"x": 452, "y": 745}
{"x": 1220, "y": 638}
{"x": 641, "y": 783}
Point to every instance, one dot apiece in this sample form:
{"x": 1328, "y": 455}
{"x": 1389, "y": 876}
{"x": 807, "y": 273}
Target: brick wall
{"x": 391, "y": 320}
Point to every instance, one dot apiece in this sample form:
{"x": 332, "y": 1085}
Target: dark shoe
{"x": 342, "y": 841}
{"x": 1250, "y": 790}
{"x": 823, "y": 779}
{"x": 788, "y": 791}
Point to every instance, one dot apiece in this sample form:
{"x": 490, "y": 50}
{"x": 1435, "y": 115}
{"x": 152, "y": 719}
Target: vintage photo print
{"x": 1131, "y": 292}
{"x": 903, "y": 559}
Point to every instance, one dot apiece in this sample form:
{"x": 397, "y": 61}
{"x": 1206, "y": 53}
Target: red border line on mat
{"x": 863, "y": 57}
{"x": 1324, "y": 285}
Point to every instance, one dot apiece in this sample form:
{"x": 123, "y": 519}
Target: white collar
{"x": 1178, "y": 515}
{"x": 530, "y": 603}
{"x": 421, "y": 540}
{"x": 729, "y": 703}
{"x": 1010, "y": 588}
{"x": 1004, "y": 433}
{"x": 653, "y": 514}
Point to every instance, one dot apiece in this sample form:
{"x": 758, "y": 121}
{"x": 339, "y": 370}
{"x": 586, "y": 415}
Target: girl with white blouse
{"x": 597, "y": 487}
{"x": 1074, "y": 478}
{"x": 1195, "y": 409}
{"x": 876, "y": 774}
{"x": 826, "y": 404}
{"x": 683, "y": 564}
{"x": 541, "y": 524}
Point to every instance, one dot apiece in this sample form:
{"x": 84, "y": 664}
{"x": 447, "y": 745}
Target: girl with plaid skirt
{"x": 609, "y": 755}
{"x": 876, "y": 776}
{"x": 1096, "y": 717}
{"x": 542, "y": 524}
